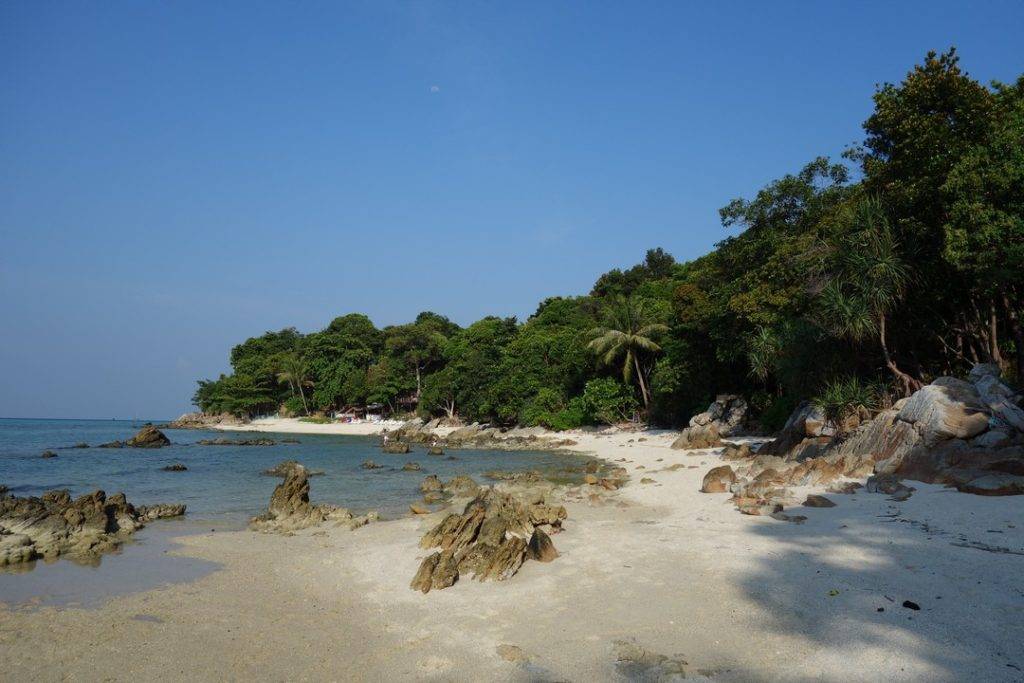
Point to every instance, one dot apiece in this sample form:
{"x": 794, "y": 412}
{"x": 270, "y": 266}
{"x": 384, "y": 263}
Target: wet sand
{"x": 658, "y": 578}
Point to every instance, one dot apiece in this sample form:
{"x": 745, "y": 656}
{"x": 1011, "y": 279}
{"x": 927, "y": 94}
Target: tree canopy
{"x": 864, "y": 276}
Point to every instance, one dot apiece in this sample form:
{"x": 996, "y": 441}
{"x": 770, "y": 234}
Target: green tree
{"x": 294, "y": 371}
{"x": 629, "y": 336}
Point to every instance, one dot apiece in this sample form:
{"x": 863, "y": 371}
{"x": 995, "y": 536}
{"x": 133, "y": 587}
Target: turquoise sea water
{"x": 222, "y": 488}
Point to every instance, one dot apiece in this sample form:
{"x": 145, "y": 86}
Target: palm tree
{"x": 629, "y": 335}
{"x": 867, "y": 282}
{"x": 294, "y": 371}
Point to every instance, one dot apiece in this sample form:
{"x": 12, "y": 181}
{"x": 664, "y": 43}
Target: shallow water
{"x": 222, "y": 488}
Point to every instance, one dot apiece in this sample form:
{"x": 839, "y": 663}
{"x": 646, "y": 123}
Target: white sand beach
{"x": 659, "y": 579}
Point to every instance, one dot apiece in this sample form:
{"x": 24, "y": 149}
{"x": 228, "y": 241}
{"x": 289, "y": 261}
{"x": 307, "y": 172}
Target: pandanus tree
{"x": 865, "y": 281}
{"x": 628, "y": 338}
{"x": 293, "y": 370}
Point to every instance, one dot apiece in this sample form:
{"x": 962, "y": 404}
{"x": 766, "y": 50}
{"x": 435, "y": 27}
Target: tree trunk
{"x": 449, "y": 409}
{"x": 643, "y": 384}
{"x": 418, "y": 385}
{"x": 993, "y": 333}
{"x": 910, "y": 384}
{"x": 303, "y": 395}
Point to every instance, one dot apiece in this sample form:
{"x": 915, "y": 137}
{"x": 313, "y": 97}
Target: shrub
{"x": 845, "y": 397}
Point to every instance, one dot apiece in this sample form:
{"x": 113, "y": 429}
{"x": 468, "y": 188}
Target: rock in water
{"x": 395, "y": 447}
{"x": 718, "y": 480}
{"x": 283, "y": 469}
{"x": 149, "y": 437}
{"x": 490, "y": 540}
{"x": 411, "y": 467}
{"x": 54, "y": 525}
{"x": 370, "y": 465}
{"x": 48, "y": 454}
{"x": 176, "y": 467}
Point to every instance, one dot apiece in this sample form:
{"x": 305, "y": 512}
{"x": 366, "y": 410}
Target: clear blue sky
{"x": 178, "y": 176}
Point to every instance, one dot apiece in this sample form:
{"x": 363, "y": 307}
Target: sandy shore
{"x": 660, "y": 574}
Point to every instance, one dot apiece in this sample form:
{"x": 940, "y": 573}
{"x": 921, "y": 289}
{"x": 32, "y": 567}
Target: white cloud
{"x": 435, "y": 88}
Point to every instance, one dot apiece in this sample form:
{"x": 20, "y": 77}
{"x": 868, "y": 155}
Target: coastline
{"x": 656, "y": 575}
{"x": 292, "y": 425}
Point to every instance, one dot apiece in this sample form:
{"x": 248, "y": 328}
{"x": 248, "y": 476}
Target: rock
{"x": 947, "y": 408}
{"x": 290, "y": 509}
{"x": 489, "y": 541}
{"x": 846, "y": 487}
{"x": 889, "y": 484}
{"x": 995, "y": 484}
{"x": 814, "y": 501}
{"x": 757, "y": 506}
{"x": 148, "y": 437}
{"x": 54, "y": 525}
{"x": 718, "y": 480}
{"x": 176, "y": 467}
{"x": 737, "y": 452}
{"x": 370, "y": 465}
{"x": 395, "y": 447}
{"x": 431, "y": 483}
{"x": 783, "y": 517}
{"x": 236, "y": 442}
{"x": 698, "y": 436}
{"x": 287, "y": 467}
{"x": 435, "y": 450}
{"x": 462, "y": 486}
{"x": 148, "y": 513}
{"x": 417, "y": 509}
{"x": 590, "y": 479}
{"x": 540, "y": 547}
{"x": 592, "y": 467}
{"x": 411, "y": 467}
{"x": 996, "y": 396}
{"x": 728, "y": 413}
{"x": 512, "y": 653}
{"x": 81, "y": 445}
{"x": 48, "y": 454}
{"x": 113, "y": 444}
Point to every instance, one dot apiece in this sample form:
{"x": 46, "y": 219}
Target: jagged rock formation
{"x": 490, "y": 540}
{"x": 290, "y": 509}
{"x": 54, "y": 525}
{"x": 726, "y": 416}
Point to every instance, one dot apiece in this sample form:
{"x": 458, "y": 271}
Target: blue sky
{"x": 178, "y": 176}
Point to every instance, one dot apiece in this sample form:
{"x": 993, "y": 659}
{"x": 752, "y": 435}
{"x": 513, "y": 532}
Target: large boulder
{"x": 698, "y": 436}
{"x": 948, "y": 408}
{"x": 1001, "y": 401}
{"x": 148, "y": 437}
{"x": 718, "y": 480}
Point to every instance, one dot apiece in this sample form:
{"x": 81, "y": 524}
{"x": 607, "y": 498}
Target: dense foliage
{"x": 830, "y": 285}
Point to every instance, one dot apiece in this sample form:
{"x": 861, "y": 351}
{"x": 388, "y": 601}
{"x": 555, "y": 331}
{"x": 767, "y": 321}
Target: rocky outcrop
{"x": 476, "y": 435}
{"x": 951, "y": 432}
{"x": 490, "y": 540}
{"x": 56, "y": 525}
{"x": 203, "y": 421}
{"x": 371, "y": 465}
{"x": 395, "y": 447}
{"x": 726, "y": 416}
{"x": 48, "y": 454}
{"x": 290, "y": 509}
